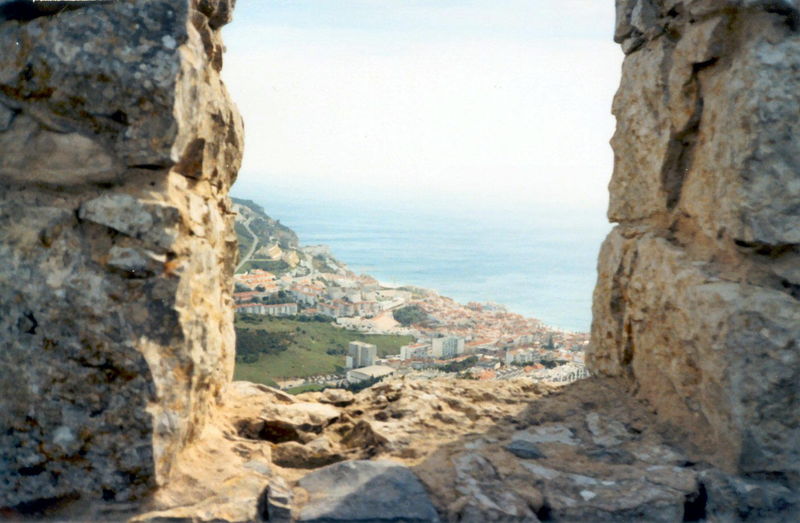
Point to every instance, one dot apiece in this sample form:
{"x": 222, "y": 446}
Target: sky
{"x": 485, "y": 103}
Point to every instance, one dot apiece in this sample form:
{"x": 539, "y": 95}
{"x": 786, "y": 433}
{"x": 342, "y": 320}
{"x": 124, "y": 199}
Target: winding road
{"x": 249, "y": 254}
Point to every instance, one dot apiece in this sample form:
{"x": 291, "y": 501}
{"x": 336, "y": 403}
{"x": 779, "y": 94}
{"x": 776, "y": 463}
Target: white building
{"x": 415, "y": 351}
{"x": 524, "y": 339}
{"x": 307, "y": 294}
{"x": 521, "y": 356}
{"x": 563, "y": 374}
{"x": 353, "y": 296}
{"x": 278, "y": 309}
{"x": 368, "y": 373}
{"x": 335, "y": 292}
{"x": 447, "y": 347}
{"x": 360, "y": 354}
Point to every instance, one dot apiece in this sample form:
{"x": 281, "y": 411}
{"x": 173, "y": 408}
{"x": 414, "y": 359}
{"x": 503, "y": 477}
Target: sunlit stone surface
{"x": 118, "y": 145}
{"x": 697, "y": 296}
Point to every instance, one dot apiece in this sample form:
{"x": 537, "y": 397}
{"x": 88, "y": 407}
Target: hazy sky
{"x": 492, "y": 102}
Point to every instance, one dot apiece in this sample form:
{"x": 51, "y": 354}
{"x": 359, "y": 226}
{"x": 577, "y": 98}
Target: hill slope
{"x": 314, "y": 348}
{"x": 267, "y": 229}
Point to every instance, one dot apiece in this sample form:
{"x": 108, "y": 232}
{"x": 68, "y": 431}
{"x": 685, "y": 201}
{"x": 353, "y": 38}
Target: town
{"x": 474, "y": 341}
{"x": 276, "y": 277}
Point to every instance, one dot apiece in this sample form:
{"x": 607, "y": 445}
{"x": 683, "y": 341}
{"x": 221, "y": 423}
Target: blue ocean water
{"x": 540, "y": 264}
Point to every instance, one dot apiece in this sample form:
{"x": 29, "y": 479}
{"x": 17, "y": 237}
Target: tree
{"x": 409, "y": 315}
{"x": 251, "y": 343}
{"x": 458, "y": 366}
{"x": 278, "y": 297}
{"x": 361, "y": 385}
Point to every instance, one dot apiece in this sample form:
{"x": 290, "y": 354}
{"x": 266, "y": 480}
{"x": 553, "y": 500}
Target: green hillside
{"x": 314, "y": 348}
{"x": 266, "y": 229}
{"x": 245, "y": 239}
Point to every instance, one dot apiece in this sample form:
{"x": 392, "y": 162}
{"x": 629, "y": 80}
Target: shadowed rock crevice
{"x": 766, "y": 249}
{"x": 790, "y": 14}
{"x": 793, "y": 289}
{"x": 27, "y": 10}
{"x": 694, "y": 509}
{"x": 678, "y": 161}
{"x": 686, "y": 103}
{"x": 274, "y": 431}
{"x": 150, "y": 167}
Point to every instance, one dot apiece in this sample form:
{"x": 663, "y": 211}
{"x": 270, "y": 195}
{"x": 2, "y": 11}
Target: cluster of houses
{"x": 268, "y": 309}
{"x": 340, "y": 296}
{"x": 331, "y": 295}
{"x": 417, "y": 361}
{"x": 487, "y": 361}
{"x": 443, "y": 347}
{"x": 501, "y": 345}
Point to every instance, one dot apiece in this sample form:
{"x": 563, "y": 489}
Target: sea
{"x": 538, "y": 262}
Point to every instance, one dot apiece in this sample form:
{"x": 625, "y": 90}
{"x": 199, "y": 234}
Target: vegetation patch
{"x": 277, "y": 267}
{"x": 459, "y": 366}
{"x": 309, "y": 387}
{"x": 410, "y": 315}
{"x": 320, "y": 263}
{"x": 252, "y": 343}
{"x": 307, "y": 345}
{"x": 245, "y": 239}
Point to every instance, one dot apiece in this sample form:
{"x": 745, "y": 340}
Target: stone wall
{"x": 696, "y": 303}
{"x": 118, "y": 144}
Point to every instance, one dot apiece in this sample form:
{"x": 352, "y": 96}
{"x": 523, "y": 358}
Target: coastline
{"x": 542, "y": 269}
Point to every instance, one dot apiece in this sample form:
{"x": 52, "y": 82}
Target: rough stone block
{"x": 118, "y": 143}
{"x": 716, "y": 358}
{"x": 347, "y": 492}
{"x": 697, "y": 302}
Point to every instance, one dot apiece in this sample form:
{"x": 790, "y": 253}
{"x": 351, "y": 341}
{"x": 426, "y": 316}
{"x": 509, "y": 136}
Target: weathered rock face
{"x": 698, "y": 296}
{"x": 449, "y": 450}
{"x": 118, "y": 144}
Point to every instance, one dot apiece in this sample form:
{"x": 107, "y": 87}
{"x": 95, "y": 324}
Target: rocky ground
{"x": 448, "y": 450}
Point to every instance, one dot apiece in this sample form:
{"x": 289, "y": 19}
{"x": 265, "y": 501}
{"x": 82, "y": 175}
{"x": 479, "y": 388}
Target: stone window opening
{"x": 116, "y": 400}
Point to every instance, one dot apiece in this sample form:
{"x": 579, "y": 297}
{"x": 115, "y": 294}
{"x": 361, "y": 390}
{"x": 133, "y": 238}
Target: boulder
{"x": 524, "y": 449}
{"x": 315, "y": 454}
{"x": 372, "y": 491}
{"x": 277, "y": 502}
{"x": 338, "y": 397}
{"x": 484, "y": 494}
